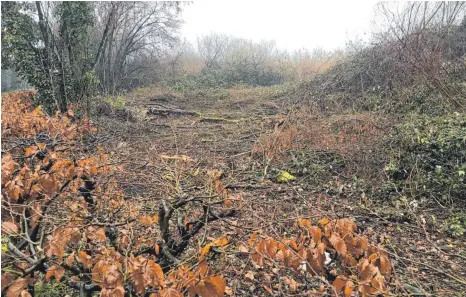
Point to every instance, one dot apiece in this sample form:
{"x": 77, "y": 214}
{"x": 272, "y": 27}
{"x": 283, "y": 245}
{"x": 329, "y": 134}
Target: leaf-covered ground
{"x": 334, "y": 168}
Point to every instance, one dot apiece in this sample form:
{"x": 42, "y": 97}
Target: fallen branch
{"x": 167, "y": 112}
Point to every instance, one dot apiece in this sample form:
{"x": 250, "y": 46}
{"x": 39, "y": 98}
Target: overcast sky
{"x": 292, "y": 24}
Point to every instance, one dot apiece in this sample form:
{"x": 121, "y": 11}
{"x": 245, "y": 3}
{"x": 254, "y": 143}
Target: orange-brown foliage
{"x": 362, "y": 266}
{"x": 280, "y": 140}
{"x": 67, "y": 218}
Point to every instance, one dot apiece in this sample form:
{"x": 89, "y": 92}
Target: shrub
{"x": 360, "y": 265}
{"x": 421, "y": 64}
{"x": 116, "y": 102}
{"x": 431, "y": 157}
{"x": 64, "y": 216}
{"x": 455, "y": 225}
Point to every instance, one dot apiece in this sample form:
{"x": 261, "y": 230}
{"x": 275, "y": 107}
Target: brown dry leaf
{"x": 55, "y": 271}
{"x": 349, "y": 286}
{"x": 15, "y": 289}
{"x": 84, "y": 259}
{"x": 252, "y": 239}
{"x": 228, "y": 291}
{"x": 113, "y": 292}
{"x": 366, "y": 271}
{"x": 362, "y": 244}
{"x": 294, "y": 245}
{"x": 50, "y": 272}
{"x": 293, "y": 285}
{"x": 249, "y": 275}
{"x": 7, "y": 278}
{"x": 219, "y": 242}
{"x": 9, "y": 227}
{"x": 138, "y": 280}
{"x": 36, "y": 210}
{"x": 316, "y": 234}
{"x": 257, "y": 259}
{"x": 268, "y": 289}
{"x": 170, "y": 292}
{"x": 154, "y": 272}
{"x": 58, "y": 247}
{"x": 25, "y": 293}
{"x": 213, "y": 286}
{"x": 123, "y": 242}
{"x": 112, "y": 277}
{"x": 372, "y": 257}
{"x": 385, "y": 266}
{"x": 214, "y": 174}
{"x": 228, "y": 203}
{"x": 70, "y": 260}
{"x": 243, "y": 248}
{"x": 218, "y": 283}
{"x": 31, "y": 150}
{"x": 271, "y": 248}
{"x": 14, "y": 193}
{"x": 97, "y": 273}
{"x": 146, "y": 220}
{"x": 346, "y": 226}
{"x": 75, "y": 236}
{"x": 47, "y": 184}
{"x": 338, "y": 244}
{"x": 100, "y": 235}
{"x": 203, "y": 269}
{"x": 304, "y": 223}
{"x": 378, "y": 282}
{"x": 292, "y": 260}
{"x": 324, "y": 221}
{"x": 340, "y": 283}
{"x": 348, "y": 260}
{"x": 59, "y": 272}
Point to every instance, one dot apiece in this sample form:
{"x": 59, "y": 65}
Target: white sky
{"x": 292, "y": 24}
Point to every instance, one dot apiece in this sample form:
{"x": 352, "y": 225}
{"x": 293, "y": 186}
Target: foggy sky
{"x": 292, "y": 24}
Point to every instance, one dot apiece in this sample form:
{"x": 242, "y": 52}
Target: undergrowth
{"x": 429, "y": 158}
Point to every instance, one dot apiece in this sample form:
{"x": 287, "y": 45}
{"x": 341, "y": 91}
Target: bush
{"x": 63, "y": 185}
{"x": 431, "y": 161}
{"x": 455, "y": 225}
{"x": 420, "y": 68}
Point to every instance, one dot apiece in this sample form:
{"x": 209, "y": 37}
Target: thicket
{"x": 218, "y": 60}
{"x": 429, "y": 159}
{"x": 415, "y": 63}
{"x": 70, "y": 50}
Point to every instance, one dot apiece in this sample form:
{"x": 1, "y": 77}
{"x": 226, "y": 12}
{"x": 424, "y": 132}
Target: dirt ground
{"x": 251, "y": 135}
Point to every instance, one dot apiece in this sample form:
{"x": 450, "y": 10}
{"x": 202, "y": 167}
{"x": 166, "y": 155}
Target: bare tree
{"x": 132, "y": 32}
{"x": 419, "y": 34}
{"x": 213, "y": 48}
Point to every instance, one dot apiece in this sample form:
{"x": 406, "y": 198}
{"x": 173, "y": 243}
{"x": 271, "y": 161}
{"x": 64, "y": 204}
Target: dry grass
{"x": 191, "y": 65}
{"x": 358, "y": 138}
{"x": 308, "y": 67}
{"x": 301, "y": 68}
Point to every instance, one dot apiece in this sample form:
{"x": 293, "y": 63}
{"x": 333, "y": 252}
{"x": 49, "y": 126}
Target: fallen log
{"x": 217, "y": 120}
{"x": 167, "y": 112}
